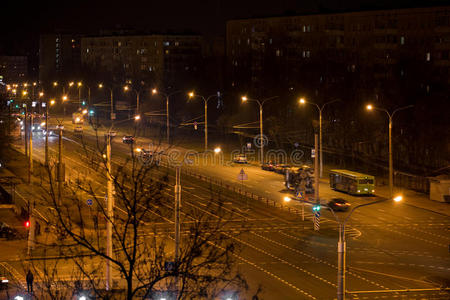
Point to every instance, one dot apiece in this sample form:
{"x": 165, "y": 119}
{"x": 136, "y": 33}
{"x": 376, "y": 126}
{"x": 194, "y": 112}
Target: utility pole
{"x": 31, "y": 233}
{"x": 30, "y": 156}
{"x": 316, "y": 180}
{"x": 25, "y": 131}
{"x": 167, "y": 120}
{"x": 177, "y": 212}
{"x": 60, "y": 175}
{"x": 206, "y": 125}
{"x": 261, "y": 136}
{"x": 46, "y": 134}
{"x": 109, "y": 219}
{"x": 341, "y": 262}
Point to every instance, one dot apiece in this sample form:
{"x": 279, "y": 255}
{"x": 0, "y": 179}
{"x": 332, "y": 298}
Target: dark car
{"x": 128, "y": 139}
{"x": 268, "y": 166}
{"x": 7, "y": 232}
{"x": 339, "y": 204}
{"x": 281, "y": 168}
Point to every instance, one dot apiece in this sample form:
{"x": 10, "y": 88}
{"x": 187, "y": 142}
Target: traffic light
{"x": 316, "y": 207}
{"x": 83, "y": 103}
{"x": 27, "y": 224}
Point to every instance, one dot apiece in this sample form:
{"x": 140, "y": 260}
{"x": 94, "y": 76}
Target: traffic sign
{"x": 242, "y": 175}
{"x": 89, "y": 202}
{"x": 313, "y": 153}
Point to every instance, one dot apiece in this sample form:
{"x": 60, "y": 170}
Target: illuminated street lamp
{"x": 126, "y": 88}
{"x": 260, "y": 103}
{"x": 320, "y": 108}
{"x": 217, "y": 150}
{"x": 154, "y": 92}
{"x": 100, "y": 86}
{"x": 193, "y": 95}
{"x": 391, "y": 163}
{"x": 342, "y": 244}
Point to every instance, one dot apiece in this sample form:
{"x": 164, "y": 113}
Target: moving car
{"x": 78, "y": 128}
{"x": 339, "y": 204}
{"x": 240, "y": 159}
{"x": 128, "y": 139}
{"x": 148, "y": 156}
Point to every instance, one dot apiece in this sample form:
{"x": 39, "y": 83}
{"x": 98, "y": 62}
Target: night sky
{"x": 22, "y": 21}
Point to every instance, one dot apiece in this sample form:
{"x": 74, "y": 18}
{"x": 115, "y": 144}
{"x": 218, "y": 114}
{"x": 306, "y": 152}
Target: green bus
{"x": 352, "y": 182}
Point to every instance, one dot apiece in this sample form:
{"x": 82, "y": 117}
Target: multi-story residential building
{"x": 59, "y": 57}
{"x": 157, "y": 59}
{"x": 372, "y": 50}
{"x": 13, "y": 68}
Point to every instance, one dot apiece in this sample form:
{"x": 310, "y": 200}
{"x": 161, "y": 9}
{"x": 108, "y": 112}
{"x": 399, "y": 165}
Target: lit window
{"x": 278, "y": 52}
{"x": 166, "y": 43}
{"x": 248, "y": 41}
{"x": 167, "y": 51}
{"x": 270, "y": 41}
{"x": 428, "y": 57}
{"x": 87, "y": 50}
{"x": 177, "y": 43}
{"x": 402, "y": 40}
{"x": 304, "y": 28}
{"x": 150, "y": 68}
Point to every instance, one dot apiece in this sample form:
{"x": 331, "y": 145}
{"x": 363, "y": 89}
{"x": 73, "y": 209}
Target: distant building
{"x": 371, "y": 49}
{"x": 13, "y": 69}
{"x": 156, "y": 59}
{"x": 59, "y": 57}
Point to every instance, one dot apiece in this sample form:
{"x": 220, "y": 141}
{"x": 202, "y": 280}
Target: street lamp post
{"x": 342, "y": 245}
{"x": 111, "y": 96}
{"x": 192, "y": 95}
{"x": 126, "y": 89}
{"x": 110, "y": 204}
{"x": 167, "y": 96}
{"x": 261, "y": 103}
{"x": 391, "y": 163}
{"x": 320, "y": 108}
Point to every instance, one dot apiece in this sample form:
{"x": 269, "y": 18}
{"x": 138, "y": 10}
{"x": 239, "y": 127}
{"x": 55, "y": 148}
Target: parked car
{"x": 128, "y": 139}
{"x": 339, "y": 204}
{"x": 8, "y": 232}
{"x": 281, "y": 168}
{"x": 268, "y": 166}
{"x": 240, "y": 159}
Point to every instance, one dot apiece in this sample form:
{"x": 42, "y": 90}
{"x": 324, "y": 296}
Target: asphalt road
{"x": 394, "y": 251}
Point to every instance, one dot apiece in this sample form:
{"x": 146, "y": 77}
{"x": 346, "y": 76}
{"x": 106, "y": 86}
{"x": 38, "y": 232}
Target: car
{"x": 128, "y": 139}
{"x": 281, "y": 168}
{"x": 268, "y": 166}
{"x": 240, "y": 159}
{"x": 8, "y": 232}
{"x": 78, "y": 128}
{"x": 148, "y": 156}
{"x": 339, "y": 204}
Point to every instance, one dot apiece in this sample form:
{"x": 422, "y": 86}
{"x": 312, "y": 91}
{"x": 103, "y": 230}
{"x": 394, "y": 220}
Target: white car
{"x": 240, "y": 159}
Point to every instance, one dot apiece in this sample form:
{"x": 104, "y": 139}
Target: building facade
{"x": 155, "y": 59}
{"x": 373, "y": 51}
{"x": 13, "y": 69}
{"x": 59, "y": 57}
